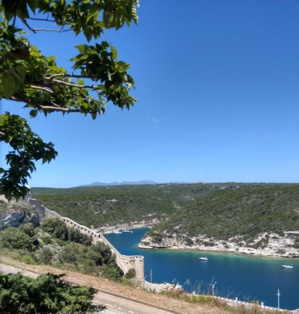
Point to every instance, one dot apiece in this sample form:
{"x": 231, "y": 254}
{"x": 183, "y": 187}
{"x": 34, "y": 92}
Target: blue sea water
{"x": 245, "y": 277}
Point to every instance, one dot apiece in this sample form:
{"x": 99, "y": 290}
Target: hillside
{"x": 228, "y": 216}
{"x": 113, "y": 205}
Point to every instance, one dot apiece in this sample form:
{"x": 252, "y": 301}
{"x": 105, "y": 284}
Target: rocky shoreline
{"x": 127, "y": 227}
{"x": 266, "y": 244}
{"x": 275, "y": 246}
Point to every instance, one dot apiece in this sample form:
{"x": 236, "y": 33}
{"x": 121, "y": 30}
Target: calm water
{"x": 248, "y": 278}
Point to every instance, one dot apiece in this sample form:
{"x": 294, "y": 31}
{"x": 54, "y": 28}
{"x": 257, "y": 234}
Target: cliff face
{"x": 16, "y": 218}
{"x": 14, "y": 214}
{"x": 275, "y": 245}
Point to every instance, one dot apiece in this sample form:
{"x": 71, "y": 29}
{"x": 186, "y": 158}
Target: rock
{"x": 277, "y": 246}
{"x": 15, "y": 218}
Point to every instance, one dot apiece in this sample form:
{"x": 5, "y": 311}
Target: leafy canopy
{"x": 47, "y": 293}
{"x": 29, "y": 77}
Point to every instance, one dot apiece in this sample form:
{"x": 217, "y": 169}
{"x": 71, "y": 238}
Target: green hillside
{"x": 217, "y": 210}
{"x": 244, "y": 210}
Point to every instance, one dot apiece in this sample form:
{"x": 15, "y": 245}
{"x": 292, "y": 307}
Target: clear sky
{"x": 217, "y": 83}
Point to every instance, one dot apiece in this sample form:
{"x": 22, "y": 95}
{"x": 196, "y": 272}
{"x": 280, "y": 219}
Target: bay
{"x": 245, "y": 277}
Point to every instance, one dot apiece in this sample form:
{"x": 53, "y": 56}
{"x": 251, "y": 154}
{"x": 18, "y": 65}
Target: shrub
{"x": 27, "y": 259}
{"x": 14, "y": 238}
{"x": 131, "y": 273}
{"x": 75, "y": 235}
{"x": 46, "y": 294}
{"x": 113, "y": 272}
{"x": 45, "y": 255}
{"x": 55, "y": 227}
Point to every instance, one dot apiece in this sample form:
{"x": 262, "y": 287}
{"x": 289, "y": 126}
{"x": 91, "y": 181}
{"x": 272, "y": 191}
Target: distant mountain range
{"x": 143, "y": 182}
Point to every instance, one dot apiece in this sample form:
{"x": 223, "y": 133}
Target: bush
{"x": 105, "y": 252}
{"x": 46, "y": 294}
{"x": 28, "y": 229}
{"x": 75, "y": 235}
{"x": 113, "y": 272}
{"x": 27, "y": 259}
{"x": 15, "y": 238}
{"x": 131, "y": 273}
{"x": 45, "y": 255}
{"x": 55, "y": 227}
{"x": 69, "y": 254}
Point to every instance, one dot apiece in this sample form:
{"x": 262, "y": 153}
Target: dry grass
{"x": 175, "y": 303}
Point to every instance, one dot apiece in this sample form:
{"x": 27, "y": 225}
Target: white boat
{"x": 127, "y": 230}
{"x": 287, "y": 266}
{"x": 203, "y": 258}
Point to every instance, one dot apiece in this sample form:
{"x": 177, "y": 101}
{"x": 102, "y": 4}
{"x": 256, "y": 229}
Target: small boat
{"x": 203, "y": 258}
{"x": 128, "y": 231}
{"x": 287, "y": 266}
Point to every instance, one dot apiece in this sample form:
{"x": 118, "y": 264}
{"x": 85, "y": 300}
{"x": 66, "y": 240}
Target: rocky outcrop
{"x": 266, "y": 244}
{"x": 16, "y": 213}
{"x": 15, "y": 218}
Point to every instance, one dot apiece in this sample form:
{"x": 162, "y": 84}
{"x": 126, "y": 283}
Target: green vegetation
{"x": 245, "y": 211}
{"x": 93, "y": 77}
{"x": 46, "y": 294}
{"x": 98, "y": 206}
{"x": 219, "y": 211}
{"x": 53, "y": 243}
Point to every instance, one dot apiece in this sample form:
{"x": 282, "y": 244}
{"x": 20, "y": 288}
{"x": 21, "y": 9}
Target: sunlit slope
{"x": 243, "y": 210}
{"x": 217, "y": 210}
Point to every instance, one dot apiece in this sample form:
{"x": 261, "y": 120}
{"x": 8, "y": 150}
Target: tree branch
{"x": 72, "y": 84}
{"x": 57, "y": 109}
{"x": 29, "y": 27}
{"x": 34, "y": 30}
{"x": 45, "y": 89}
{"x": 55, "y": 75}
{"x": 40, "y": 19}
{"x": 67, "y": 75}
{"x": 49, "y": 30}
{"x": 53, "y": 108}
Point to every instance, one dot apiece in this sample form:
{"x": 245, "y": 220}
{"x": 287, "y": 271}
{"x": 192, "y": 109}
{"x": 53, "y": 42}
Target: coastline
{"x": 278, "y": 247}
{"x": 126, "y": 227}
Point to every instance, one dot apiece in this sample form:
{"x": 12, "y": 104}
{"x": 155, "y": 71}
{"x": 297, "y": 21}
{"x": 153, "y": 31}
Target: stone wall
{"x": 123, "y": 261}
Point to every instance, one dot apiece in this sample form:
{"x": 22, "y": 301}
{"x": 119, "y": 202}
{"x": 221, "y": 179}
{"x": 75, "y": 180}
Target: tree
{"x": 29, "y": 77}
{"x": 45, "y": 294}
{"x": 55, "y": 227}
{"x": 15, "y": 238}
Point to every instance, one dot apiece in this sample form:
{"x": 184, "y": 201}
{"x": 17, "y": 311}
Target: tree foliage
{"x": 57, "y": 228}
{"x": 65, "y": 248}
{"x": 29, "y": 77}
{"x": 219, "y": 211}
{"x": 18, "y": 239}
{"x": 46, "y": 294}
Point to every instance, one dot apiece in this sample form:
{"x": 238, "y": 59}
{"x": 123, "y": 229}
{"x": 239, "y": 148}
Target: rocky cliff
{"x": 13, "y": 214}
{"x": 266, "y": 244}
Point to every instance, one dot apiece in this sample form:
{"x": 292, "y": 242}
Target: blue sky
{"x": 217, "y": 83}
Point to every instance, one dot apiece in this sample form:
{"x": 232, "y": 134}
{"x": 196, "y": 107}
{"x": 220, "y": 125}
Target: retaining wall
{"x": 123, "y": 261}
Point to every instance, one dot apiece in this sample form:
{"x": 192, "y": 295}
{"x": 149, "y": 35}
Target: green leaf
{"x": 33, "y": 4}
{"x": 33, "y": 113}
{"x": 8, "y": 85}
{"x": 43, "y": 86}
{"x": 114, "y": 52}
{"x": 22, "y": 11}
